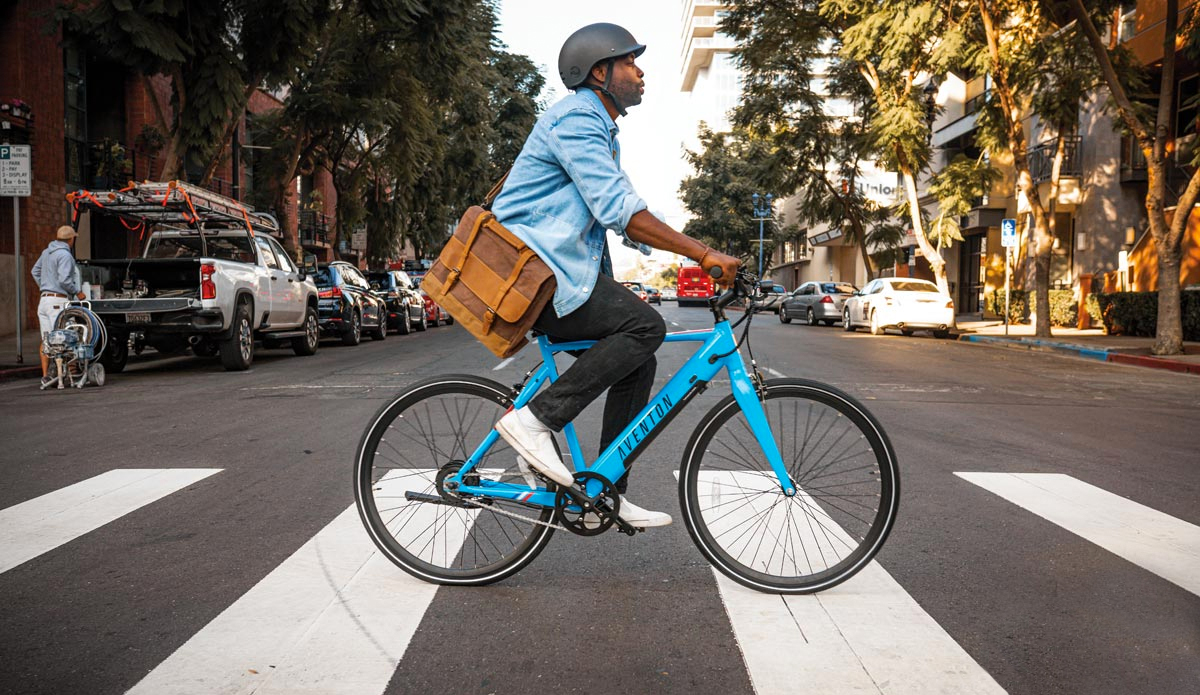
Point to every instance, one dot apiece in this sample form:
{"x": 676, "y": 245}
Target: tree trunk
{"x": 284, "y": 192}
{"x": 931, "y": 254}
{"x": 1168, "y": 339}
{"x": 234, "y": 118}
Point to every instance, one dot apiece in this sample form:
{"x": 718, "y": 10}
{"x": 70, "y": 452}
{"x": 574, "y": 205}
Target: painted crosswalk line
{"x": 335, "y": 617}
{"x": 40, "y": 525}
{"x": 866, "y": 635}
{"x": 1158, "y": 542}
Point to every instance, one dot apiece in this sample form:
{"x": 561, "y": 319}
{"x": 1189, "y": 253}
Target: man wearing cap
{"x": 57, "y": 277}
{"x": 565, "y": 189}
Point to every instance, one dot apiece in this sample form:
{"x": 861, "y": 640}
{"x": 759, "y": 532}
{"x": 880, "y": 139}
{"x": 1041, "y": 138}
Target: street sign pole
{"x": 15, "y": 182}
{"x": 1008, "y": 240}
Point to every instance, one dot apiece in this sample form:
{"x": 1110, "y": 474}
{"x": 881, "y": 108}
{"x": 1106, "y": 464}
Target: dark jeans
{"x": 629, "y": 332}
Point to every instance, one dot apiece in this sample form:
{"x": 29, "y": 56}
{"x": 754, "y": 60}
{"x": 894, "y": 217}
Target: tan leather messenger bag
{"x": 489, "y": 280}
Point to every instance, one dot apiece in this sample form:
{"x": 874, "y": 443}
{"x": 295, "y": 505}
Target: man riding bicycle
{"x": 565, "y": 189}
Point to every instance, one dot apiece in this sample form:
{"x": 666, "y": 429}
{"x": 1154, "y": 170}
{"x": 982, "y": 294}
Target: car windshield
{"x": 914, "y": 286}
{"x": 837, "y": 288}
{"x": 322, "y": 277}
{"x": 637, "y": 286}
{"x": 229, "y": 248}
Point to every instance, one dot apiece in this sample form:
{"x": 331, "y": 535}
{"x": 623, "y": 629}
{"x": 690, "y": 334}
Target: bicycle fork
{"x": 746, "y": 394}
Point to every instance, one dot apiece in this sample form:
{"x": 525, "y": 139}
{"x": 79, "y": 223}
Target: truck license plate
{"x": 137, "y": 317}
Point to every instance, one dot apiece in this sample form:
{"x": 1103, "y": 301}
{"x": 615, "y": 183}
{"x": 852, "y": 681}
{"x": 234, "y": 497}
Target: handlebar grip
{"x": 715, "y": 272}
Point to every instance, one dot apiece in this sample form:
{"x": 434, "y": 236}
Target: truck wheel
{"x": 238, "y": 351}
{"x": 354, "y": 335}
{"x": 307, "y": 345}
{"x": 116, "y": 353}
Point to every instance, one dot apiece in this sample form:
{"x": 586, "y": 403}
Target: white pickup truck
{"x": 215, "y": 291}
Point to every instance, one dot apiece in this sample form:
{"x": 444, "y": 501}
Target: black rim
{"x": 840, "y": 461}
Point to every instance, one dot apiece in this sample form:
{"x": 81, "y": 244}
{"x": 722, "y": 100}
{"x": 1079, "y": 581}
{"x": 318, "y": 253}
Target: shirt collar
{"x": 594, "y": 99}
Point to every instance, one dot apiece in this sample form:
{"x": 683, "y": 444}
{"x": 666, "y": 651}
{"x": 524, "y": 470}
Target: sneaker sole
{"x": 530, "y": 459}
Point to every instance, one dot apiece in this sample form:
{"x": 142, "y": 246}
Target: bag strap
{"x": 491, "y": 196}
{"x": 490, "y": 315}
{"x": 456, "y": 268}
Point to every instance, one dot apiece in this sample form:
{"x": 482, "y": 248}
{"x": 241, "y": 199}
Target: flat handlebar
{"x": 742, "y": 284}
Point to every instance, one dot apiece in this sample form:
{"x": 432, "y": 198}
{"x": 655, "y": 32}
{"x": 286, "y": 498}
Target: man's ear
{"x": 599, "y": 71}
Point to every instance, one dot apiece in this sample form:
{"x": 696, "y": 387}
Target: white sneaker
{"x": 535, "y": 443}
{"x": 642, "y": 518}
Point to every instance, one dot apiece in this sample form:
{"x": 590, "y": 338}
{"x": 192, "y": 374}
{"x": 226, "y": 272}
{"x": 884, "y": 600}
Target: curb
{"x": 1085, "y": 352}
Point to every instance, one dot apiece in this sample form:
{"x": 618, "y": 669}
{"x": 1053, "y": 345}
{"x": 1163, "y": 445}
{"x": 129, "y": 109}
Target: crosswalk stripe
{"x": 866, "y": 635}
{"x": 40, "y": 525}
{"x": 1158, "y": 542}
{"x": 335, "y": 617}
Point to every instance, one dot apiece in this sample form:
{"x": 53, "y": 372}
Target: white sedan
{"x": 903, "y": 303}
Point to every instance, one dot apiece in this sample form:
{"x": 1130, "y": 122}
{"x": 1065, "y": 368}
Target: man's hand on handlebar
{"x": 720, "y": 267}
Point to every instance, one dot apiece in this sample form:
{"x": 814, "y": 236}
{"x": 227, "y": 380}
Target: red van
{"x": 694, "y": 286}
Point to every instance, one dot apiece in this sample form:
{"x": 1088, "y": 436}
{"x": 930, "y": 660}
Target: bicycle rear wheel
{"x": 844, "y": 471}
{"x": 428, "y": 427}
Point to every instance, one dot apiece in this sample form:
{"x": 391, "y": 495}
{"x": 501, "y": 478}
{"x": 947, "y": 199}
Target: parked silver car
{"x": 816, "y": 301}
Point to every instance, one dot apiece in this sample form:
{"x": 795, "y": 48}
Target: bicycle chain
{"x": 504, "y": 512}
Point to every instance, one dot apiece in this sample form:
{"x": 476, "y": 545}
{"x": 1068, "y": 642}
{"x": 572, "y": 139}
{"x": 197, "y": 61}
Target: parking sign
{"x": 1008, "y": 232}
{"x": 15, "y": 178}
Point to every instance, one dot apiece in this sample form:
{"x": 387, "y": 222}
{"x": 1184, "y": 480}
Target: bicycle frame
{"x": 718, "y": 351}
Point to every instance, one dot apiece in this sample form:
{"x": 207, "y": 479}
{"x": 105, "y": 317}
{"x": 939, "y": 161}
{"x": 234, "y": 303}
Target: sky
{"x": 652, "y": 134}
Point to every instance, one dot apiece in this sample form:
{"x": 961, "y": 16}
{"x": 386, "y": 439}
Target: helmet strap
{"x": 608, "y": 74}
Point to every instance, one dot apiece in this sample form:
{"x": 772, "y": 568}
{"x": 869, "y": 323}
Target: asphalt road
{"x": 1031, "y": 605}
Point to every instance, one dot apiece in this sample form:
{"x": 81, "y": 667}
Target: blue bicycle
{"x": 786, "y": 485}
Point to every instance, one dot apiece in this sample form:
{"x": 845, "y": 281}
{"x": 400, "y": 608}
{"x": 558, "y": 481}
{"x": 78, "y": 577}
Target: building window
{"x": 1128, "y": 21}
{"x": 75, "y": 115}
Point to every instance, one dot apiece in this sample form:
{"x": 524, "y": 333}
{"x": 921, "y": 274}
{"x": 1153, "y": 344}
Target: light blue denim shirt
{"x": 565, "y": 189}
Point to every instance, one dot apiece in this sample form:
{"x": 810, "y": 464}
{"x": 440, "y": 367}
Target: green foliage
{"x": 1092, "y": 304}
{"x": 1018, "y": 305}
{"x": 1063, "y": 310}
{"x": 1136, "y": 313}
{"x": 729, "y": 171}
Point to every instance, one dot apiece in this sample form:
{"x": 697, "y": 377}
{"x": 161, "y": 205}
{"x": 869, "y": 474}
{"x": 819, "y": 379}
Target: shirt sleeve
{"x": 580, "y": 142}
{"x": 37, "y": 270}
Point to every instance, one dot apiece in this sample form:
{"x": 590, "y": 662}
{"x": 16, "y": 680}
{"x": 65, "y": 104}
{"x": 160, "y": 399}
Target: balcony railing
{"x": 1041, "y": 159}
{"x": 314, "y": 228}
{"x": 975, "y": 103}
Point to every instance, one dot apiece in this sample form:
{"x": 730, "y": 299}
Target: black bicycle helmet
{"x": 593, "y": 44}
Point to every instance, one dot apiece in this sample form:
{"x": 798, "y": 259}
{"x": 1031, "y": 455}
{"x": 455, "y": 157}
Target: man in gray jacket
{"x": 57, "y": 277}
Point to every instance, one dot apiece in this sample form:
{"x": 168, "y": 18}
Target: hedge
{"x": 1063, "y": 310}
{"x": 1136, "y": 313}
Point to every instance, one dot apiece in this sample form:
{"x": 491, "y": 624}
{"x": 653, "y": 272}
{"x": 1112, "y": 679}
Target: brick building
{"x": 91, "y": 124}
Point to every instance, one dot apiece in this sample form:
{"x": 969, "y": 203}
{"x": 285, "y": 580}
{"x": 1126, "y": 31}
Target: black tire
{"x": 875, "y": 328}
{"x": 828, "y": 322}
{"x": 237, "y": 351}
{"x": 907, "y": 332}
{"x": 308, "y": 343}
{"x": 811, "y": 316}
{"x": 450, "y": 319}
{"x": 433, "y": 422}
{"x": 941, "y": 334}
{"x": 353, "y": 334}
{"x": 380, "y": 331}
{"x": 405, "y": 326}
{"x": 116, "y": 353}
{"x": 846, "y": 325}
{"x": 783, "y": 317}
{"x": 424, "y": 322}
{"x": 841, "y": 464}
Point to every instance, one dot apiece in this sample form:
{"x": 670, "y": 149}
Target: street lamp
{"x": 762, "y": 214}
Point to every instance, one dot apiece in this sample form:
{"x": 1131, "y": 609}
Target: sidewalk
{"x": 9, "y": 367}
{"x": 1089, "y": 344}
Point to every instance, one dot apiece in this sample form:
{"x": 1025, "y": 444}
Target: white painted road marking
{"x": 866, "y": 635}
{"x": 774, "y": 372}
{"x": 335, "y": 617}
{"x": 503, "y": 364}
{"x": 1158, "y": 542}
{"x": 42, "y": 524}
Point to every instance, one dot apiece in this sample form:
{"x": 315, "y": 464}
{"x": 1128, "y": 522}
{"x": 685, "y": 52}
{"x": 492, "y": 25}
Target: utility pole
{"x": 762, "y": 214}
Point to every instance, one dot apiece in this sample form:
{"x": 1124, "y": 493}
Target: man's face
{"x": 627, "y": 83}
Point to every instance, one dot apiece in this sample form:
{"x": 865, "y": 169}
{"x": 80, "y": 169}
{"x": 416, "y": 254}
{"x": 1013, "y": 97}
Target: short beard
{"x": 626, "y": 94}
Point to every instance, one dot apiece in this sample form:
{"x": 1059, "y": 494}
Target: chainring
{"x": 584, "y": 514}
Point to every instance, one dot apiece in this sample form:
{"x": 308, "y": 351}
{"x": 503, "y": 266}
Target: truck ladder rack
{"x": 174, "y": 203}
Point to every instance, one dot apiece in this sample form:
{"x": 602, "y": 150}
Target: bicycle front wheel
{"x": 841, "y": 465}
{"x": 430, "y": 428}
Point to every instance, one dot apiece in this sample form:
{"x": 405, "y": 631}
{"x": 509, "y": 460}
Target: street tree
{"x": 895, "y": 47}
{"x": 728, "y": 172}
{"x": 215, "y": 55}
{"x": 1152, "y": 129}
{"x": 797, "y": 96}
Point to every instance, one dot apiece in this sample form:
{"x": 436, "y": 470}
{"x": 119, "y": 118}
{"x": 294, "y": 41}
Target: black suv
{"x": 405, "y": 306}
{"x": 346, "y": 307}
